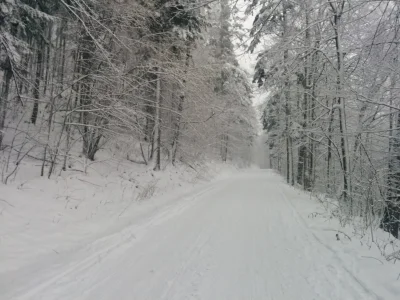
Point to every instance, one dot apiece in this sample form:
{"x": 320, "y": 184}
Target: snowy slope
{"x": 244, "y": 237}
{"x": 41, "y": 218}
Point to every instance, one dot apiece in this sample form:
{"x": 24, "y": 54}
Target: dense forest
{"x": 331, "y": 70}
{"x": 158, "y": 83}
{"x": 154, "y": 82}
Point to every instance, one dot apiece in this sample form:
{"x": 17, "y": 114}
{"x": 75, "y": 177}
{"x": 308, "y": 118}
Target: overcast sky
{"x": 248, "y": 60}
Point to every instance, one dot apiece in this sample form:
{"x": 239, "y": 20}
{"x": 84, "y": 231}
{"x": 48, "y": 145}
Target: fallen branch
{"x": 17, "y": 164}
{"x": 373, "y": 258}
{"x": 144, "y": 157}
{"x": 89, "y": 182}
{"x": 7, "y": 202}
{"x": 339, "y": 232}
{"x": 395, "y": 255}
{"x": 189, "y": 165}
{"x": 135, "y": 161}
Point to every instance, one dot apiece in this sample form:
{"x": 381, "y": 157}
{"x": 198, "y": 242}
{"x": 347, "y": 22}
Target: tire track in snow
{"x": 189, "y": 264}
{"x": 124, "y": 240}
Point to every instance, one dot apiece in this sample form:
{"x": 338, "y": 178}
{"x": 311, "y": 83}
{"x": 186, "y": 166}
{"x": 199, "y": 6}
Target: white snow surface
{"x": 244, "y": 236}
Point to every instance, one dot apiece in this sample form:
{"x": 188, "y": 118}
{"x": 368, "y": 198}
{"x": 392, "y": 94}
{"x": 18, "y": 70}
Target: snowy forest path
{"x": 241, "y": 239}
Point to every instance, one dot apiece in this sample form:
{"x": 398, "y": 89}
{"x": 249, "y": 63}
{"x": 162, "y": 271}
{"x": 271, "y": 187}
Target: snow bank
{"x": 365, "y": 256}
{"x": 41, "y": 218}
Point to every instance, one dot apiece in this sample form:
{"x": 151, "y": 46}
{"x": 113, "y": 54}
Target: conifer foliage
{"x": 142, "y": 80}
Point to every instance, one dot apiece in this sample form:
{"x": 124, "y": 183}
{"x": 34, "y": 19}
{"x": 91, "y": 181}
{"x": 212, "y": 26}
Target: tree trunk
{"x": 329, "y": 155}
{"x": 301, "y": 165}
{"x": 337, "y": 15}
{"x": 313, "y": 80}
{"x": 391, "y": 217}
{"x": 7, "y": 75}
{"x": 286, "y": 89}
{"x": 157, "y": 166}
{"x": 54, "y": 63}
{"x": 292, "y": 163}
{"x": 175, "y": 141}
{"x": 302, "y": 176}
{"x": 91, "y": 133}
{"x": 36, "y": 86}
{"x": 46, "y": 71}
{"x": 63, "y": 28}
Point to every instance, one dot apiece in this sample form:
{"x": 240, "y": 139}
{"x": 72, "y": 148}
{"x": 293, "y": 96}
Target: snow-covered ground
{"x": 243, "y": 236}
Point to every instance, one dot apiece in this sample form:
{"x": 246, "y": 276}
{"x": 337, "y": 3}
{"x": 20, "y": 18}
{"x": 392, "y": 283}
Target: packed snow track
{"x": 239, "y": 238}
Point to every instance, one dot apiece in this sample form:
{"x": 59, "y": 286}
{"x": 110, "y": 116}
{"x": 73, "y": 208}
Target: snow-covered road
{"x": 241, "y": 238}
